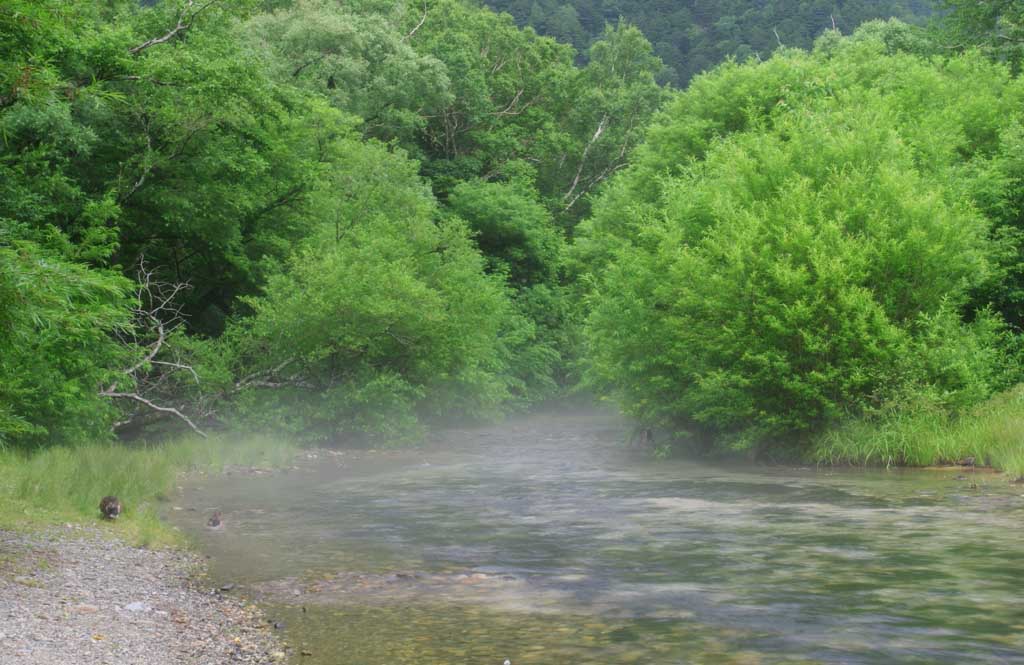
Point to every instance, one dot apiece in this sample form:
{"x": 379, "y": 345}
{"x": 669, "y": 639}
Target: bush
{"x": 814, "y": 263}
{"x": 57, "y": 347}
{"x": 394, "y": 323}
{"x": 922, "y": 434}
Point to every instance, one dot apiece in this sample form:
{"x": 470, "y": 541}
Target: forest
{"x": 772, "y": 230}
{"x": 694, "y": 36}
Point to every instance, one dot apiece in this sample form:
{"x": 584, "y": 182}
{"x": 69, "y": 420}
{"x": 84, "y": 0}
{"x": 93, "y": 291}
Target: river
{"x": 545, "y": 540}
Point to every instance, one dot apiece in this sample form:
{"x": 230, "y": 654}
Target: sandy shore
{"x": 74, "y": 596}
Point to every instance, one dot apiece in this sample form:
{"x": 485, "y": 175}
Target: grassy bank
{"x": 65, "y": 483}
{"x": 992, "y": 433}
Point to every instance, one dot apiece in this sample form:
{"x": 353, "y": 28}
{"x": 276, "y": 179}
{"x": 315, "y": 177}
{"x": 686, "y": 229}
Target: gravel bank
{"x": 73, "y": 596}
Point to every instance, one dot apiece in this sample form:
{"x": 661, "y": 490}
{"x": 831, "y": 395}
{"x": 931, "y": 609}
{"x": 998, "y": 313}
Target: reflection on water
{"x": 545, "y": 541}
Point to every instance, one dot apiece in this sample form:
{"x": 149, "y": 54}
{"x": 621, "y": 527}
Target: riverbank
{"x": 77, "y": 595}
{"x": 61, "y": 484}
{"x": 990, "y": 434}
{"x": 80, "y": 590}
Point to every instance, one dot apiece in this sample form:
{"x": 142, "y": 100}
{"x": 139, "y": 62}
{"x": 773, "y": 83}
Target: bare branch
{"x": 146, "y": 79}
{"x": 187, "y": 368}
{"x": 157, "y": 314}
{"x": 261, "y": 379}
{"x": 616, "y": 164}
{"x": 186, "y": 18}
{"x": 156, "y": 407}
{"x": 583, "y": 159}
{"x": 145, "y": 171}
{"x": 508, "y": 109}
{"x": 418, "y": 25}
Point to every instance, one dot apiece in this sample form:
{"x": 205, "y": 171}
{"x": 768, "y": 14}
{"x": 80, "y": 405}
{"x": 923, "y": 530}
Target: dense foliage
{"x": 359, "y": 210}
{"x": 803, "y": 239}
{"x": 57, "y": 330}
{"x": 378, "y": 320}
{"x": 995, "y": 27}
{"x": 352, "y": 220}
{"x": 695, "y": 35}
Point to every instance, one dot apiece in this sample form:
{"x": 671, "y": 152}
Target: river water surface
{"x": 547, "y": 541}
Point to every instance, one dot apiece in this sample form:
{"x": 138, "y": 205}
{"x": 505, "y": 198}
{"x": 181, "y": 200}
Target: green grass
{"x": 992, "y": 433}
{"x": 65, "y": 483}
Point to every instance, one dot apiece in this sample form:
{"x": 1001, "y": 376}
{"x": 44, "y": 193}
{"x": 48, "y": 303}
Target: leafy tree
{"x": 167, "y": 142}
{"x": 361, "y": 62}
{"x": 800, "y": 241}
{"x": 516, "y": 234}
{"x": 612, "y": 99}
{"x": 512, "y": 229}
{"x": 694, "y": 36}
{"x": 382, "y": 320}
{"x": 502, "y": 118}
{"x": 57, "y": 326}
{"x": 996, "y": 27}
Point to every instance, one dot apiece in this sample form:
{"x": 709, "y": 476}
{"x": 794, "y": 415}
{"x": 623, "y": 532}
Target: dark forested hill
{"x": 694, "y": 35}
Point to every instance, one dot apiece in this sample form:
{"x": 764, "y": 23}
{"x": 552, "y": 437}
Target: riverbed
{"x": 546, "y": 540}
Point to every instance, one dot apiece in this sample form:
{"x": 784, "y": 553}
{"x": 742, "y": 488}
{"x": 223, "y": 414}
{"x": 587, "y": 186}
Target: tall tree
{"x": 787, "y": 251}
{"x": 995, "y": 26}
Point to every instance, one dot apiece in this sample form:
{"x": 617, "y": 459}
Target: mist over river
{"x": 545, "y": 540}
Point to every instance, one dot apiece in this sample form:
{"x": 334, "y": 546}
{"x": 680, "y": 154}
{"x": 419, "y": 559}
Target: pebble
{"x": 55, "y": 615}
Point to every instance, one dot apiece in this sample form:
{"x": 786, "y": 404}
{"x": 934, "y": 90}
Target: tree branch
{"x": 418, "y": 25}
{"x": 583, "y": 160}
{"x": 157, "y": 315}
{"x": 185, "y": 20}
{"x": 156, "y": 407}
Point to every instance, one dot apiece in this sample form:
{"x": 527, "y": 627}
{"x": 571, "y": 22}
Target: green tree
{"x": 362, "y": 63}
{"x": 502, "y": 118}
{"x": 58, "y": 322}
{"x": 996, "y": 27}
{"x": 693, "y": 36}
{"x": 516, "y": 235}
{"x": 800, "y": 241}
{"x": 512, "y": 229}
{"x": 609, "y": 105}
{"x": 383, "y": 321}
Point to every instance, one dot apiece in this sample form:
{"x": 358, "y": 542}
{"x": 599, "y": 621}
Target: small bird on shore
{"x": 214, "y": 522}
{"x": 967, "y": 461}
{"x": 110, "y": 507}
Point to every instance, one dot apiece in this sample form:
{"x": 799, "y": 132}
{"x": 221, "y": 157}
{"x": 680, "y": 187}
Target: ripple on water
{"x": 544, "y": 541}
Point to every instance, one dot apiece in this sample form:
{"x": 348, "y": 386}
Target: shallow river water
{"x": 546, "y": 541}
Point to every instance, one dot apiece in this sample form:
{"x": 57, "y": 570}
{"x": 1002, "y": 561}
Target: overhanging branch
{"x": 186, "y": 18}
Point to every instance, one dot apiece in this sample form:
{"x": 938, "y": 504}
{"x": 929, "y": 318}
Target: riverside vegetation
{"x": 347, "y": 222}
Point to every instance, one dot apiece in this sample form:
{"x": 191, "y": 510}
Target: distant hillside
{"x": 694, "y": 35}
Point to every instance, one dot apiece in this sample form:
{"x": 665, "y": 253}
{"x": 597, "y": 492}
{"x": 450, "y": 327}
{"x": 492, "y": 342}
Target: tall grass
{"x": 992, "y": 433}
{"x": 65, "y": 483}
